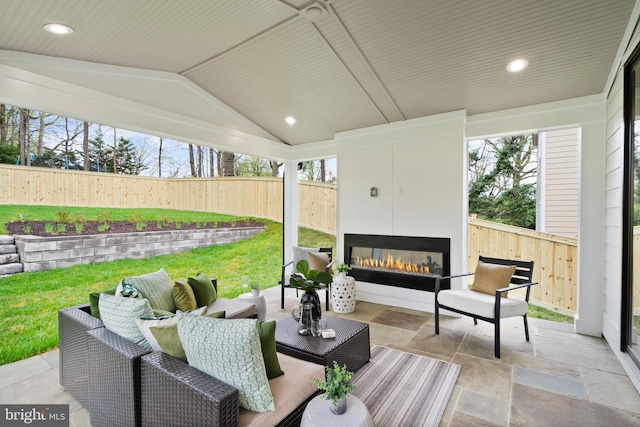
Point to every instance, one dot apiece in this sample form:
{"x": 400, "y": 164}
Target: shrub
{"x": 62, "y": 216}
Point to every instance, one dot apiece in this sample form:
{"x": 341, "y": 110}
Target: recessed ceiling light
{"x": 58, "y": 28}
{"x": 290, "y": 120}
{"x": 517, "y": 65}
{"x": 313, "y": 13}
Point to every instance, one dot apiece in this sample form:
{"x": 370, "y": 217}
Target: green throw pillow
{"x": 167, "y": 336}
{"x": 203, "y": 289}
{"x": 157, "y": 287}
{"x": 93, "y": 300}
{"x": 229, "y": 350}
{"x": 162, "y": 313}
{"x": 183, "y": 296}
{"x": 267, "y": 332}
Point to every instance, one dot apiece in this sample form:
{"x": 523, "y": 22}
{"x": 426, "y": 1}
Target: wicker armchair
{"x": 73, "y": 324}
{"x": 176, "y": 394}
{"x": 114, "y": 388}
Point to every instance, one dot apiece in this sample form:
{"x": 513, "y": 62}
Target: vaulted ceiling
{"x": 335, "y": 65}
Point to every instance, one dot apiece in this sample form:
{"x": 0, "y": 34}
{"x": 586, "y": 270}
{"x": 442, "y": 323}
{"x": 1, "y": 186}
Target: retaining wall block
{"x": 10, "y": 268}
{"x": 6, "y": 240}
{"x": 69, "y": 244}
{"x": 55, "y": 255}
{"x": 38, "y": 266}
{"x": 92, "y": 242}
{"x": 9, "y": 259}
{"x": 105, "y": 250}
{"x": 84, "y": 252}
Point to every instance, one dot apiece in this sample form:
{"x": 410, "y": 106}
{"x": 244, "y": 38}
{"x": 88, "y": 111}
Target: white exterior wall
{"x": 561, "y": 174}
{"x": 419, "y": 170}
{"x": 614, "y": 177}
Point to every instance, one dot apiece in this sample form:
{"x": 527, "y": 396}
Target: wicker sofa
{"x": 74, "y": 322}
{"x": 122, "y": 383}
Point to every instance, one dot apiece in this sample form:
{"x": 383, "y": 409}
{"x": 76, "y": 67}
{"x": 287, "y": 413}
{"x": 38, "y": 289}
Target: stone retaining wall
{"x": 45, "y": 253}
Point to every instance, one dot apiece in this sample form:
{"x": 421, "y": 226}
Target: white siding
{"x": 562, "y": 163}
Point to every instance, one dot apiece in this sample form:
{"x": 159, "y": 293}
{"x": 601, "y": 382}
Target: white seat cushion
{"x": 481, "y": 304}
{"x": 233, "y": 309}
{"x": 288, "y": 390}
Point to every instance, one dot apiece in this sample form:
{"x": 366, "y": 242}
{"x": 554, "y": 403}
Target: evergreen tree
{"x": 502, "y": 180}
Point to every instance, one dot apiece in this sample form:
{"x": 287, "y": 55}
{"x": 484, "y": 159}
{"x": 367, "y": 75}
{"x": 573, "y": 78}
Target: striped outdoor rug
{"x": 404, "y": 389}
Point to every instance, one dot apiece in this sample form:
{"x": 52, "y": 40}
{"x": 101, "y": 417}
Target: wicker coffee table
{"x": 350, "y": 347}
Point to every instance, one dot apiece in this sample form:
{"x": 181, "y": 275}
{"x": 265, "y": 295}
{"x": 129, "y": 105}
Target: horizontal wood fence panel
{"x": 244, "y": 196}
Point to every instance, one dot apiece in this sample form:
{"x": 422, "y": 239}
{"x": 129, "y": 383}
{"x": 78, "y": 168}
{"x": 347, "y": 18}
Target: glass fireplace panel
{"x": 424, "y": 263}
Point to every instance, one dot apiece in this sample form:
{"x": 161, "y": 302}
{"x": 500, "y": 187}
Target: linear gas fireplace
{"x": 402, "y": 261}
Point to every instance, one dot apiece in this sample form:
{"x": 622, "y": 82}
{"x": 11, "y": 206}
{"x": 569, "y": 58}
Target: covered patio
{"x": 393, "y": 91}
{"x": 558, "y": 378}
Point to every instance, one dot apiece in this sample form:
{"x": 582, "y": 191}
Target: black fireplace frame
{"x": 401, "y": 280}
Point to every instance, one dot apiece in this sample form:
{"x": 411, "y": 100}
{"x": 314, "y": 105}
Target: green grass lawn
{"x": 30, "y": 301}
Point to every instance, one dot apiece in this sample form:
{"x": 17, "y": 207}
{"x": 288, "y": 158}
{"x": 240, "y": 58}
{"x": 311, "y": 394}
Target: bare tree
{"x": 85, "y": 146}
{"x": 192, "y": 161}
{"x": 275, "y": 167}
{"x": 4, "y": 125}
{"x": 200, "y": 160}
{"x": 211, "y": 158}
{"x": 219, "y": 161}
{"x": 43, "y": 124}
{"x": 160, "y": 159}
{"x": 228, "y": 160}
{"x": 23, "y": 134}
{"x": 115, "y": 150}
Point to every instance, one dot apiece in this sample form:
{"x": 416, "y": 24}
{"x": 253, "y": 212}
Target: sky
{"x": 175, "y": 154}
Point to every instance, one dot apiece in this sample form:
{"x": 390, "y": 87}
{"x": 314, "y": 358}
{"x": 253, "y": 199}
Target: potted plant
{"x": 342, "y": 270}
{"x": 310, "y": 281}
{"x": 255, "y": 289}
{"x": 338, "y": 385}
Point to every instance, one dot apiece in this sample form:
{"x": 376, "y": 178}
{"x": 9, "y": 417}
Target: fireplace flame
{"x": 391, "y": 263}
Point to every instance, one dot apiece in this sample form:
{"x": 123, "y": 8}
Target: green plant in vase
{"x": 338, "y": 385}
{"x": 255, "y": 288}
{"x": 342, "y": 269}
{"x": 310, "y": 281}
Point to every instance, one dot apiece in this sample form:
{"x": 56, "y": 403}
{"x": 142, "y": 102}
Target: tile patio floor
{"x": 557, "y": 379}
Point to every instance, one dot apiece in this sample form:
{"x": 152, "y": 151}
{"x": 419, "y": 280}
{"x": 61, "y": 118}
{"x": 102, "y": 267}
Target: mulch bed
{"x": 39, "y": 228}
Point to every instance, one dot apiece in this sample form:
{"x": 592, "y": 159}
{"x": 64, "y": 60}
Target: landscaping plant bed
{"x": 50, "y": 228}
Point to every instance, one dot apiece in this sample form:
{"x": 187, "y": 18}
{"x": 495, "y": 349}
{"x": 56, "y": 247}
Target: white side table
{"x": 318, "y": 414}
{"x": 258, "y": 301}
{"x": 343, "y": 294}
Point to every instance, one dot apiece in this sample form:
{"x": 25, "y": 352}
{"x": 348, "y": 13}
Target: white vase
{"x": 255, "y": 292}
{"x": 342, "y": 275}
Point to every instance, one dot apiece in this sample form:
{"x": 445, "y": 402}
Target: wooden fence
{"x": 245, "y": 196}
{"x": 555, "y": 257}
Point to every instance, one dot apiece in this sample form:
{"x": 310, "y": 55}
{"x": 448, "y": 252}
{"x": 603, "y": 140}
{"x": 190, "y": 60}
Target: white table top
{"x": 318, "y": 414}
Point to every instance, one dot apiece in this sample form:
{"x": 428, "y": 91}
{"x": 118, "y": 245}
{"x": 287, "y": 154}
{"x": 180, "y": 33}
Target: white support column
{"x": 290, "y": 214}
{"x": 589, "y": 315}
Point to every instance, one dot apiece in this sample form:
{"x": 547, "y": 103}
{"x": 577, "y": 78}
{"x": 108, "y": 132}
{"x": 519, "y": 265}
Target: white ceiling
{"x": 361, "y": 63}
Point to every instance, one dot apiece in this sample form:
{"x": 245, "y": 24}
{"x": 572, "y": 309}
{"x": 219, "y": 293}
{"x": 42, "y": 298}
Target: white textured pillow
{"x": 230, "y": 351}
{"x": 157, "y": 287}
{"x": 119, "y": 316}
